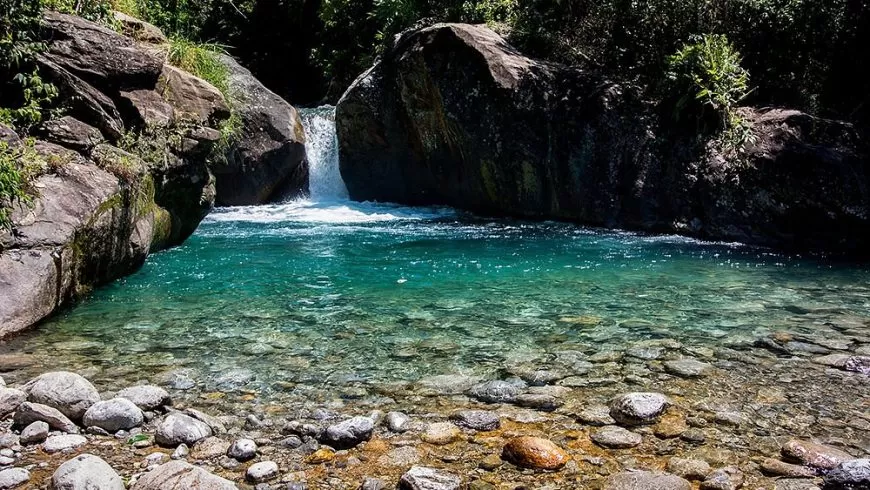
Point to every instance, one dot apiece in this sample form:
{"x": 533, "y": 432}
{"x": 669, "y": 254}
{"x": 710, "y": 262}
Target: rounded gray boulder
{"x": 113, "y": 415}
{"x": 86, "y": 472}
{"x": 67, "y": 392}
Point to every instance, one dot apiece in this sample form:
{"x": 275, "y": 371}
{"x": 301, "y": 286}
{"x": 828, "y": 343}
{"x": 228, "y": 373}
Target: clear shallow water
{"x": 321, "y": 298}
{"x": 331, "y": 294}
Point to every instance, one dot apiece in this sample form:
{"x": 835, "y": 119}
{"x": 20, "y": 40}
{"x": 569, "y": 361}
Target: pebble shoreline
{"x": 765, "y": 418}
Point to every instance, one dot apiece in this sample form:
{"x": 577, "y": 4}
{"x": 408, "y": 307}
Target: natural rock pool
{"x": 315, "y": 308}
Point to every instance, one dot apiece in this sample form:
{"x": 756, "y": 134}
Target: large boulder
{"x": 86, "y": 472}
{"x": 100, "y": 210}
{"x": 453, "y": 115}
{"x": 113, "y": 415}
{"x": 267, "y": 159}
{"x": 99, "y": 55}
{"x": 67, "y": 392}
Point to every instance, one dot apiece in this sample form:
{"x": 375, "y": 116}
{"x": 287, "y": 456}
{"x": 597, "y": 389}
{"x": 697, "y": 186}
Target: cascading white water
{"x": 321, "y": 145}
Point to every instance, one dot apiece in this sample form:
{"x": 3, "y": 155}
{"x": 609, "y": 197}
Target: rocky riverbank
{"x": 134, "y": 164}
{"x": 787, "y": 412}
{"x": 453, "y": 115}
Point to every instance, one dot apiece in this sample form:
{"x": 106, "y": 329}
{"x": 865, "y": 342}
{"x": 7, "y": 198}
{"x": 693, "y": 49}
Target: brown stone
{"x": 814, "y": 455}
{"x": 535, "y": 453}
{"x": 322, "y": 455}
{"x": 671, "y": 425}
{"x": 775, "y": 467}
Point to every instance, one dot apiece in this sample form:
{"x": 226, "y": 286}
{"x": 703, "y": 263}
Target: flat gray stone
{"x": 688, "y": 368}
{"x": 852, "y": 475}
{"x": 645, "y": 480}
{"x": 615, "y": 437}
{"x": 146, "y": 397}
{"x": 29, "y": 413}
{"x": 480, "y": 420}
{"x": 495, "y": 391}
{"x": 690, "y": 469}
{"x": 349, "y": 433}
{"x": 423, "y": 478}
{"x": 66, "y": 442}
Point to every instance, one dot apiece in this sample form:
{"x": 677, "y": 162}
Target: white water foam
{"x": 321, "y": 146}
{"x": 328, "y": 202}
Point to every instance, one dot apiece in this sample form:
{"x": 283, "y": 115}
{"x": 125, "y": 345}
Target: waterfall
{"x": 321, "y": 145}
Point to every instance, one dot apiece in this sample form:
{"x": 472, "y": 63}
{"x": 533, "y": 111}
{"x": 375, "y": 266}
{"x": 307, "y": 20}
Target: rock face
{"x": 267, "y": 160}
{"x": 100, "y": 211}
{"x": 452, "y": 115}
{"x": 86, "y": 472}
{"x": 178, "y": 475}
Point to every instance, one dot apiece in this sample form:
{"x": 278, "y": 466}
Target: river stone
{"x": 480, "y": 420}
{"x": 775, "y": 467}
{"x": 817, "y": 456}
{"x": 688, "y": 368}
{"x": 638, "y": 408}
{"x": 441, "y": 434}
{"x": 373, "y": 484}
{"x": 86, "y": 472}
{"x": 597, "y": 415}
{"x": 729, "y": 478}
{"x": 56, "y": 444}
{"x": 858, "y": 364}
{"x": 14, "y": 477}
{"x": 263, "y": 471}
{"x": 690, "y": 469}
{"x": 208, "y": 448}
{"x": 177, "y": 428}
{"x": 645, "y": 480}
{"x": 849, "y": 475}
{"x": 214, "y": 423}
{"x": 614, "y": 437}
{"x": 29, "y": 413}
{"x": 349, "y": 433}
{"x": 397, "y": 421}
{"x": 833, "y": 360}
{"x": 113, "y": 415}
{"x": 34, "y": 433}
{"x": 69, "y": 393}
{"x": 496, "y": 391}
{"x": 178, "y": 475}
{"x": 538, "y": 401}
{"x": 243, "y": 450}
{"x": 146, "y": 397}
{"x": 401, "y": 456}
{"x": 447, "y": 384}
{"x": 796, "y": 484}
{"x": 534, "y": 453}
{"x": 423, "y": 478}
{"x": 10, "y": 399}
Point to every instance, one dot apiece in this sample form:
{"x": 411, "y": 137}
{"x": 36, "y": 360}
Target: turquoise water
{"x": 326, "y": 296}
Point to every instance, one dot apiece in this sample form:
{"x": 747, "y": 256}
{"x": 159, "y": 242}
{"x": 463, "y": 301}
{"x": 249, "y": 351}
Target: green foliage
{"x": 93, "y": 10}
{"x": 200, "y": 59}
{"x": 706, "y": 75}
{"x": 37, "y": 97}
{"x": 19, "y": 165}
